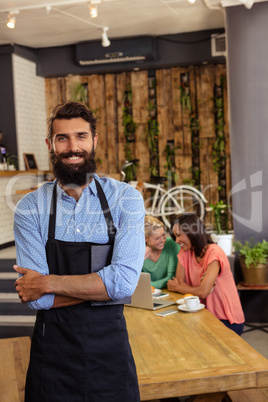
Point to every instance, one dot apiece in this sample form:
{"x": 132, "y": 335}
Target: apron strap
{"x": 53, "y": 211}
{"x": 105, "y": 209}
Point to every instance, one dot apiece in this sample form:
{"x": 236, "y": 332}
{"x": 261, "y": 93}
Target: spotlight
{"x": 11, "y": 21}
{"x": 105, "y": 41}
{"x": 93, "y": 11}
{"x": 191, "y": 1}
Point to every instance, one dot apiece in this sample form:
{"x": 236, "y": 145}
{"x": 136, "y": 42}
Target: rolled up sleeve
{"x": 30, "y": 248}
{"x": 122, "y": 275}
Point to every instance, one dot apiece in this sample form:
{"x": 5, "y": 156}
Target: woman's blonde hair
{"x": 152, "y": 224}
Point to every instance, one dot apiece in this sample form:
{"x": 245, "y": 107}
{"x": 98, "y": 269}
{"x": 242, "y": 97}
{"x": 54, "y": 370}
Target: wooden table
{"x": 14, "y": 360}
{"x": 190, "y": 354}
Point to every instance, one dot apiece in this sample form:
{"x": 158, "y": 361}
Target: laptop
{"x": 142, "y": 297}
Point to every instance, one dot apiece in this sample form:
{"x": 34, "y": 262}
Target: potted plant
{"x": 253, "y": 260}
{"x": 12, "y": 162}
{"x": 221, "y": 233}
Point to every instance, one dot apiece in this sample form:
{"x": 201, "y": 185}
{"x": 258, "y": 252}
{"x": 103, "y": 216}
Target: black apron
{"x": 81, "y": 353}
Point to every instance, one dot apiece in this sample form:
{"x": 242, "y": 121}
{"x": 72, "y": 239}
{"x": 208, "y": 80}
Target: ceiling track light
{"x": 93, "y": 11}
{"x": 11, "y": 20}
{"x": 105, "y": 41}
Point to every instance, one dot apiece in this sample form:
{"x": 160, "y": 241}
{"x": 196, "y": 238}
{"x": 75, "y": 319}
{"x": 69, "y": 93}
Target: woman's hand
{"x": 173, "y": 284}
{"x": 148, "y": 251}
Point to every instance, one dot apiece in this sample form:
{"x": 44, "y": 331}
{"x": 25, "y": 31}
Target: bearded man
{"x": 80, "y": 249}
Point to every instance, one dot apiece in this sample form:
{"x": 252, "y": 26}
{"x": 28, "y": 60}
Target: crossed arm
{"x": 68, "y": 290}
{"x": 178, "y": 284}
{"x": 115, "y": 281}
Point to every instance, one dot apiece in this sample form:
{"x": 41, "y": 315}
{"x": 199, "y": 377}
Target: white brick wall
{"x": 6, "y": 222}
{"x": 8, "y": 200}
{"x": 30, "y": 111}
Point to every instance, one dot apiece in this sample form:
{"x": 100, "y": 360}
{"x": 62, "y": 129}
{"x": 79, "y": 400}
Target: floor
{"x": 258, "y": 339}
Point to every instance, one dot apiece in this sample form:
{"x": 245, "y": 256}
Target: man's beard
{"x": 73, "y": 174}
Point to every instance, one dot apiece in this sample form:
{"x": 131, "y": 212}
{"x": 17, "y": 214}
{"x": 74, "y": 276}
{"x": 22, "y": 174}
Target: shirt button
{"x": 78, "y": 230}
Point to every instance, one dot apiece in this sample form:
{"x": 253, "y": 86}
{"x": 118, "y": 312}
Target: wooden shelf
{"x": 9, "y": 173}
{"x": 25, "y": 191}
{"x": 241, "y": 286}
{"x": 32, "y": 172}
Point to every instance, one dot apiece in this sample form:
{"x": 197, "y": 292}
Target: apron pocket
{"x": 107, "y": 358}
{"x": 63, "y": 367}
{"x": 89, "y": 358}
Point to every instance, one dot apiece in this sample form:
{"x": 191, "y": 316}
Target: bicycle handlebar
{"x": 125, "y": 165}
{"x": 128, "y": 163}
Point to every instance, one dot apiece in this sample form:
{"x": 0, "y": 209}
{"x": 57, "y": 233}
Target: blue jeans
{"x": 237, "y": 328}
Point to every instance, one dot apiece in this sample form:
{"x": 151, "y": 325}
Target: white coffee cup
{"x": 192, "y": 302}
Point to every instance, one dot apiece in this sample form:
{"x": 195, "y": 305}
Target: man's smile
{"x": 73, "y": 159}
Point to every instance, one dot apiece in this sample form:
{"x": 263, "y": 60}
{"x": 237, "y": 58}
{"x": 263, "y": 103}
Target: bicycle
{"x": 166, "y": 204}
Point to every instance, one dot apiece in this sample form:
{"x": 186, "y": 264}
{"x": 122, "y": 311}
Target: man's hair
{"x": 71, "y": 110}
{"x": 151, "y": 224}
{"x": 194, "y": 228}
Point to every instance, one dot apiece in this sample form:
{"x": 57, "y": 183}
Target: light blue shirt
{"x": 83, "y": 221}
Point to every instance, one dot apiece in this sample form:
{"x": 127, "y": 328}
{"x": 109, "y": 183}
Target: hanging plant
{"x": 152, "y": 136}
{"x": 169, "y": 153}
{"x": 131, "y": 170}
{"x": 129, "y": 125}
{"x": 185, "y": 92}
{"x": 153, "y": 129}
{"x": 219, "y": 144}
{"x": 219, "y": 157}
{"x": 79, "y": 93}
{"x": 194, "y": 125}
{"x": 129, "y": 133}
{"x": 196, "y": 173}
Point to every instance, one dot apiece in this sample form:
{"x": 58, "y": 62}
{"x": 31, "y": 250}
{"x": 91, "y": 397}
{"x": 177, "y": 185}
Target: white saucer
{"x": 180, "y": 301}
{"x": 156, "y": 292}
{"x": 190, "y": 310}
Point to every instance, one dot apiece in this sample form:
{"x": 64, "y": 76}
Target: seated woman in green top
{"x": 161, "y": 253}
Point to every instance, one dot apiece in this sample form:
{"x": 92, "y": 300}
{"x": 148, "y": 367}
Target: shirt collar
{"x": 91, "y": 187}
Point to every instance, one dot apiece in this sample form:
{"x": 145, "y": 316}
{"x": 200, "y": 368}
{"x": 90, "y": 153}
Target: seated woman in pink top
{"x": 204, "y": 270}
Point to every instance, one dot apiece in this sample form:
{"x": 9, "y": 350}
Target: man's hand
{"x": 30, "y": 286}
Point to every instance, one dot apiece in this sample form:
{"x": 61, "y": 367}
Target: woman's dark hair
{"x": 194, "y": 228}
{"x": 71, "y": 110}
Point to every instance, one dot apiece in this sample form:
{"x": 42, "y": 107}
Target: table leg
{"x": 216, "y": 397}
{"x": 253, "y": 327}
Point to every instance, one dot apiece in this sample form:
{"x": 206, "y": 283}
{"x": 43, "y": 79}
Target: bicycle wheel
{"x": 182, "y": 200}
{"x": 153, "y": 195}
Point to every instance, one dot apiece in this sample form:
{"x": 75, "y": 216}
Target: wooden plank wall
{"x": 106, "y": 98}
